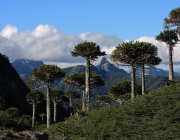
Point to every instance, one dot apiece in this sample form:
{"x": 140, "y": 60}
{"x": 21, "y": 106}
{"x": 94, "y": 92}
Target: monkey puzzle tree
{"x": 149, "y": 58}
{"x": 170, "y": 38}
{"x": 46, "y": 74}
{"x": 56, "y": 96}
{"x": 78, "y": 79}
{"x": 90, "y": 52}
{"x": 121, "y": 90}
{"x": 173, "y": 20}
{"x": 33, "y": 97}
{"x": 71, "y": 94}
{"x": 128, "y": 54}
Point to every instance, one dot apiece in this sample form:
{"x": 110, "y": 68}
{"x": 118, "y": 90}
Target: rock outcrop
{"x": 108, "y": 67}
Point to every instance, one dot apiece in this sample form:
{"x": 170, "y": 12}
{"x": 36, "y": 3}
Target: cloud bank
{"x": 50, "y": 45}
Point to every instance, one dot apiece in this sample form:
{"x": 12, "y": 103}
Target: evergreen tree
{"x": 90, "y": 52}
{"x": 78, "y": 79}
{"x": 149, "y": 57}
{"x": 173, "y": 20}
{"x": 121, "y": 90}
{"x": 33, "y": 97}
{"x": 56, "y": 96}
{"x": 170, "y": 38}
{"x": 128, "y": 54}
{"x": 46, "y": 75}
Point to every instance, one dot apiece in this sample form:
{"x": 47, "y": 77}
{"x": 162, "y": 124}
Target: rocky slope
{"x": 108, "y": 67}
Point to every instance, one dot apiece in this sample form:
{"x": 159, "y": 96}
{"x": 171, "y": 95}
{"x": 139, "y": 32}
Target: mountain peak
{"x": 107, "y": 66}
{"x": 103, "y": 61}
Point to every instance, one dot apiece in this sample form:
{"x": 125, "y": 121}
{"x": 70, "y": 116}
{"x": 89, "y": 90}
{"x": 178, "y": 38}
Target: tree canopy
{"x": 173, "y": 19}
{"x": 87, "y": 50}
{"x": 45, "y": 73}
{"x": 169, "y": 37}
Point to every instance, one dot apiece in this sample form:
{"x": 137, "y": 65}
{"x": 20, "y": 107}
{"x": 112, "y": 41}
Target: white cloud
{"x": 8, "y": 31}
{"x": 107, "y": 41}
{"x": 44, "y": 30}
{"x": 48, "y": 44}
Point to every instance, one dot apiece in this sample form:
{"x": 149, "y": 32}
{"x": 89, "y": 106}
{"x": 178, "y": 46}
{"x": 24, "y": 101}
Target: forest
{"x": 128, "y": 112}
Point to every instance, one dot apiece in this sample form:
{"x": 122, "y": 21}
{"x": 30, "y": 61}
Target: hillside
{"x": 12, "y": 88}
{"x": 25, "y": 66}
{"x": 110, "y": 78}
{"x": 154, "y": 116}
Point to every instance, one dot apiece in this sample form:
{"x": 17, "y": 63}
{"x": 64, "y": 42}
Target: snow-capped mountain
{"x": 25, "y": 66}
{"x": 108, "y": 67}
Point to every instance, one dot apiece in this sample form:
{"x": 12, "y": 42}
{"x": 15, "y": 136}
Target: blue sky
{"x": 105, "y": 22}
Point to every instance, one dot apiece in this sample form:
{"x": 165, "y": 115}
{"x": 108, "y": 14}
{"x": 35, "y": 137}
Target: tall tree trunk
{"x": 83, "y": 100}
{"x": 87, "y": 89}
{"x": 171, "y": 72}
{"x": 70, "y": 105}
{"x": 143, "y": 79}
{"x": 132, "y": 82}
{"x": 33, "y": 114}
{"x": 55, "y": 110}
{"x": 48, "y": 106}
{"x": 70, "y": 101}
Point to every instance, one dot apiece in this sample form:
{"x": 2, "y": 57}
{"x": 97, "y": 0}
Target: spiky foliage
{"x": 173, "y": 19}
{"x": 121, "y": 90}
{"x": 72, "y": 94}
{"x": 87, "y": 50}
{"x": 149, "y": 52}
{"x": 90, "y": 51}
{"x": 34, "y": 96}
{"x": 130, "y": 54}
{"x": 46, "y": 75}
{"x": 78, "y": 79}
{"x": 170, "y": 38}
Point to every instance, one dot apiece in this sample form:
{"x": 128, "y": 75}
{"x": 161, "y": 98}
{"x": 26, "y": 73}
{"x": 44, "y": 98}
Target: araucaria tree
{"x": 149, "y": 58}
{"x": 90, "y": 52}
{"x": 56, "y": 96}
{"x": 173, "y": 20}
{"x": 71, "y": 94}
{"x": 46, "y": 75}
{"x": 128, "y": 54}
{"x": 33, "y": 97}
{"x": 78, "y": 79}
{"x": 121, "y": 90}
{"x": 170, "y": 37}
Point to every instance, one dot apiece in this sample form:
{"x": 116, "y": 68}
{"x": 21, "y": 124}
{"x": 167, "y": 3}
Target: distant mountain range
{"x": 24, "y": 67}
{"x": 156, "y": 71}
{"x": 109, "y": 72}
